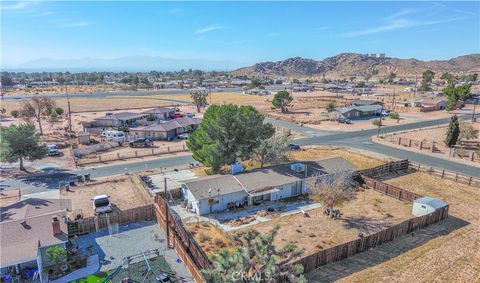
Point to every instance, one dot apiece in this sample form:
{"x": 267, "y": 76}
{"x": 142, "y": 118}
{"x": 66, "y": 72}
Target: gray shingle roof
{"x": 159, "y": 110}
{"x": 364, "y": 108}
{"x": 122, "y": 116}
{"x": 226, "y": 183}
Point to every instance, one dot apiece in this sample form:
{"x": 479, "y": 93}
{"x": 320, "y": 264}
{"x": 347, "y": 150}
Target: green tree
{"x": 455, "y": 94}
{"x": 254, "y": 83}
{"x": 427, "y": 78}
{"x": 330, "y": 106}
{"x": 453, "y": 131}
{"x": 282, "y": 100}
{"x": 37, "y": 108}
{"x": 199, "y": 98}
{"x": 15, "y": 113}
{"x": 395, "y": 116}
{"x": 228, "y": 132}
{"x": 59, "y": 110}
{"x": 6, "y": 80}
{"x": 447, "y": 77}
{"x": 56, "y": 254}
{"x": 20, "y": 142}
{"x": 256, "y": 260}
{"x": 391, "y": 77}
{"x": 273, "y": 150}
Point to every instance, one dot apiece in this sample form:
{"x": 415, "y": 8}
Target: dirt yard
{"x": 362, "y": 161}
{"x": 122, "y": 191}
{"x": 453, "y": 257}
{"x": 369, "y": 212}
{"x": 210, "y": 238}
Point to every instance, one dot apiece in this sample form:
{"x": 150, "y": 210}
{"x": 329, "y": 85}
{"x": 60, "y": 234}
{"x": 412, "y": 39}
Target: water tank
{"x": 236, "y": 168}
{"x": 298, "y": 167}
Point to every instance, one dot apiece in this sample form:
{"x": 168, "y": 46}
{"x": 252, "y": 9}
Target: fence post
{"x": 136, "y": 153}
{"x": 421, "y": 145}
{"x": 410, "y": 143}
{"x": 183, "y": 147}
{"x": 153, "y": 151}
{"x": 469, "y": 180}
{"x": 399, "y": 140}
{"x": 168, "y": 149}
{"x": 99, "y": 158}
{"x": 456, "y": 176}
{"x": 472, "y": 156}
{"x": 118, "y": 155}
{"x": 443, "y": 173}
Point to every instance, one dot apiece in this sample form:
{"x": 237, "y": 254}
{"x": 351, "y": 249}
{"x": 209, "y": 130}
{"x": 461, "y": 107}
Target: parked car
{"x": 293, "y": 146}
{"x": 176, "y": 115}
{"x": 183, "y": 136}
{"x": 53, "y": 150}
{"x": 344, "y": 120}
{"x": 101, "y": 204}
{"x": 141, "y": 143}
{"x": 385, "y": 112}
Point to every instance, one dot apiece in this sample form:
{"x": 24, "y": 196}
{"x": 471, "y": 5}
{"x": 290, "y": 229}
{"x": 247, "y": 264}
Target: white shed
{"x": 426, "y": 205}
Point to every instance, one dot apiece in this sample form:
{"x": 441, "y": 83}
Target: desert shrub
{"x": 218, "y": 242}
{"x": 394, "y": 115}
{"x": 59, "y": 110}
{"x": 202, "y": 237}
{"x": 376, "y": 122}
{"x": 15, "y": 113}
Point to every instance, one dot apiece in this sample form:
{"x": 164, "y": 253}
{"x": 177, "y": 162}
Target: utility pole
{"x": 380, "y": 121}
{"x": 166, "y": 213}
{"x": 69, "y": 113}
{"x": 474, "y": 106}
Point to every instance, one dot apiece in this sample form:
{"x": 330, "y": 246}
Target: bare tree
{"x": 37, "y": 108}
{"x": 467, "y": 132}
{"x": 199, "y": 98}
{"x": 333, "y": 190}
{"x": 273, "y": 150}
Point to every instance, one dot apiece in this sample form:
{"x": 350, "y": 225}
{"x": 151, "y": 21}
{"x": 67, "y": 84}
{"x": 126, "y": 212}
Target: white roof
{"x": 432, "y": 202}
{"x": 100, "y": 197}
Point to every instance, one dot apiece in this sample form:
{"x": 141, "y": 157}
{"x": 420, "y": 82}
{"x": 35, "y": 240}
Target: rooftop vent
{"x": 298, "y": 167}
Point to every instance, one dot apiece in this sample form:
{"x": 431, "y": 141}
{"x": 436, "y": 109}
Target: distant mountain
{"x": 351, "y": 64}
{"x": 122, "y": 64}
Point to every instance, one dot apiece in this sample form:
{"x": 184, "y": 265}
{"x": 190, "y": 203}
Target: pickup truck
{"x": 101, "y": 204}
{"x": 141, "y": 143}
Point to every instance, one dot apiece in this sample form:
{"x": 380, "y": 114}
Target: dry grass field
{"x": 360, "y": 160}
{"x": 121, "y": 190}
{"x": 369, "y": 212}
{"x": 454, "y": 257}
{"x": 210, "y": 238}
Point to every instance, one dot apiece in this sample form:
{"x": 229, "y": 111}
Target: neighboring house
{"x": 159, "y": 113}
{"x": 29, "y": 228}
{"x": 433, "y": 104}
{"x": 166, "y": 130}
{"x": 222, "y": 192}
{"x": 358, "y": 111}
{"x": 359, "y": 102}
{"x": 120, "y": 119}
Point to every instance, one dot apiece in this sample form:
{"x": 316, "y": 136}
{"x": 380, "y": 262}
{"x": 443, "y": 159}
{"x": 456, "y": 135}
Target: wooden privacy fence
{"x": 449, "y": 175}
{"x": 194, "y": 257}
{"x": 359, "y": 245}
{"x": 384, "y": 169}
{"x": 390, "y": 190}
{"x": 95, "y": 223}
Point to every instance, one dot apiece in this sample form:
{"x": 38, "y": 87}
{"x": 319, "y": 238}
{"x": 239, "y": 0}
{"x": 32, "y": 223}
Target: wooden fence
{"x": 390, "y": 190}
{"x": 194, "y": 257}
{"x": 362, "y": 244}
{"x": 95, "y": 223}
{"x": 132, "y": 154}
{"x": 384, "y": 169}
{"x": 449, "y": 175}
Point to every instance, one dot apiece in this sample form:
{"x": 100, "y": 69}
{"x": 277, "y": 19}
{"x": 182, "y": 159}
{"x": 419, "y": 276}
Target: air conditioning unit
{"x": 298, "y": 167}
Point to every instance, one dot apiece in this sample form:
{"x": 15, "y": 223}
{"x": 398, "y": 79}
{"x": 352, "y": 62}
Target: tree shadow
{"x": 8, "y": 212}
{"x": 50, "y": 178}
{"x": 337, "y": 270}
{"x": 364, "y": 225}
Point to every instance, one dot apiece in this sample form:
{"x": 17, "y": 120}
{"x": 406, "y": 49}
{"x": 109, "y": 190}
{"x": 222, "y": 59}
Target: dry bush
{"x": 218, "y": 242}
{"x": 202, "y": 237}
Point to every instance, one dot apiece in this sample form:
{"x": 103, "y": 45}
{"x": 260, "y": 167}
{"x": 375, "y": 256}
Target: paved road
{"x": 100, "y": 94}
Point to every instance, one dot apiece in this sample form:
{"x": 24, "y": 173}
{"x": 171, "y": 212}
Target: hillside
{"x": 351, "y": 64}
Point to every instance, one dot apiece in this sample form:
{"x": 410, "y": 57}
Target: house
{"x": 358, "y": 111}
{"x": 433, "y": 104}
{"x": 427, "y": 205}
{"x": 159, "y": 113}
{"x": 167, "y": 129}
{"x": 120, "y": 119}
{"x": 29, "y": 227}
{"x": 359, "y": 102}
{"x": 219, "y": 193}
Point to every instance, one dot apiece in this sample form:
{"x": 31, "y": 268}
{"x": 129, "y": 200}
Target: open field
{"x": 210, "y": 238}
{"x": 60, "y": 89}
{"x": 122, "y": 192}
{"x": 313, "y": 153}
{"x": 369, "y": 212}
{"x": 452, "y": 257}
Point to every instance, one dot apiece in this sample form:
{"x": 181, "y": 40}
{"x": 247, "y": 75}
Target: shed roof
{"x": 162, "y": 127}
{"x": 226, "y": 183}
{"x": 363, "y": 108}
{"x": 360, "y": 102}
{"x": 122, "y": 116}
{"x": 159, "y": 110}
{"x": 432, "y": 202}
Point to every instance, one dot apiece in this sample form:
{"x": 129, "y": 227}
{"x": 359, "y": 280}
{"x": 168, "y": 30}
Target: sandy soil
{"x": 121, "y": 190}
{"x": 60, "y": 89}
{"x": 314, "y": 153}
{"x": 369, "y": 212}
{"x": 210, "y": 238}
{"x": 454, "y": 257}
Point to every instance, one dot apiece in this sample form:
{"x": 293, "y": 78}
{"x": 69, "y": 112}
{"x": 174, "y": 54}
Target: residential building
{"x": 128, "y": 119}
{"x": 160, "y": 113}
{"x": 359, "y": 102}
{"x": 358, "y": 111}
{"x": 29, "y": 227}
{"x": 219, "y": 193}
{"x": 166, "y": 130}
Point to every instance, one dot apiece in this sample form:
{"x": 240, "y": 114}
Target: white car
{"x": 385, "y": 112}
{"x": 183, "y": 136}
{"x": 101, "y": 204}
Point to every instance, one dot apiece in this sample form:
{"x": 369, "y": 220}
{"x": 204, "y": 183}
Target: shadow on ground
{"x": 340, "y": 269}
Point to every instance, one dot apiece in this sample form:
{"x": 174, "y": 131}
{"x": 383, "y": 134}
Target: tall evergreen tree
{"x": 282, "y": 100}
{"x": 453, "y": 131}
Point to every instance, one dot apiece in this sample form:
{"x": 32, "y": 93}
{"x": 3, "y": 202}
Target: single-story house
{"x": 359, "y": 102}
{"x": 219, "y": 193}
{"x": 160, "y": 113}
{"x": 29, "y": 227}
{"x": 359, "y": 111}
{"x": 433, "y": 104}
{"x": 119, "y": 119}
{"x": 167, "y": 129}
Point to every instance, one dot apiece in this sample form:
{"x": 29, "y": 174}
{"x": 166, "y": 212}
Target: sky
{"x": 235, "y": 33}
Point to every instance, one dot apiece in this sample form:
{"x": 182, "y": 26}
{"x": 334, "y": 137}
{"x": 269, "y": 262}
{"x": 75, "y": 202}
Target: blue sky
{"x": 241, "y": 33}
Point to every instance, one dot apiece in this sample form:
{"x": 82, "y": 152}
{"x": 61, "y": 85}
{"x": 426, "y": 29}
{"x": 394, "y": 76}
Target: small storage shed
{"x": 427, "y": 205}
{"x": 84, "y": 138}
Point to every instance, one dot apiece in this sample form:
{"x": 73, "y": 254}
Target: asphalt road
{"x": 101, "y": 94}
